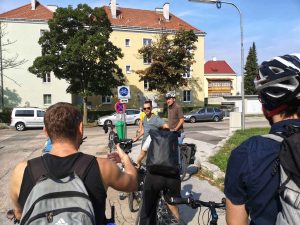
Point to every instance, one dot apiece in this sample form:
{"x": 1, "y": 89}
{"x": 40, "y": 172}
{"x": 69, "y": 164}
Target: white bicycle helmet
{"x": 278, "y": 81}
{"x": 170, "y": 94}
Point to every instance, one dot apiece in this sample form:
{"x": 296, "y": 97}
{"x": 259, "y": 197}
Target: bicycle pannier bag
{"x": 193, "y": 149}
{"x": 289, "y": 191}
{"x": 58, "y": 201}
{"x": 163, "y": 153}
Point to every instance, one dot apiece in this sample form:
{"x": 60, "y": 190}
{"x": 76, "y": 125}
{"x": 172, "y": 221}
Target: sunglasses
{"x": 147, "y": 108}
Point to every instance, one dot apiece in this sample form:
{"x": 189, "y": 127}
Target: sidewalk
{"x": 201, "y": 189}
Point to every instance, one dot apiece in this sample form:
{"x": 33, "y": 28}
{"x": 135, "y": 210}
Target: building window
{"x": 188, "y": 73}
{"x": 47, "y": 99}
{"x": 187, "y": 97}
{"x": 47, "y": 78}
{"x": 42, "y": 31}
{"x": 148, "y": 84}
{"x": 106, "y": 99}
{"x": 127, "y": 42}
{"x": 147, "y": 41}
{"x": 128, "y": 69}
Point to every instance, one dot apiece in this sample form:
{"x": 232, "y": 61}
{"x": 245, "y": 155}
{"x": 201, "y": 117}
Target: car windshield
{"x": 194, "y": 111}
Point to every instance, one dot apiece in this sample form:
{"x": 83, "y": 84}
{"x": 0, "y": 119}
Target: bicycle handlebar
{"x": 195, "y": 203}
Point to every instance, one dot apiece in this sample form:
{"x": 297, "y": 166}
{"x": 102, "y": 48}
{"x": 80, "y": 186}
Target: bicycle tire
{"x": 183, "y": 167}
{"x": 164, "y": 214}
{"x": 138, "y": 215}
{"x": 134, "y": 201}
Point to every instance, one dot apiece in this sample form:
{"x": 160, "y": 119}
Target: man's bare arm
{"x": 113, "y": 177}
{"x": 15, "y": 186}
{"x": 236, "y": 214}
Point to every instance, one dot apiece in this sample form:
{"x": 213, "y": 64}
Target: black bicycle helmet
{"x": 278, "y": 82}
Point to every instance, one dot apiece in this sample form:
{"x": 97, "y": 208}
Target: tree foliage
{"x": 171, "y": 57}
{"x": 77, "y": 49}
{"x": 251, "y": 69}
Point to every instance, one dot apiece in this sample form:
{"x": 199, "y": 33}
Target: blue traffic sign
{"x": 123, "y": 91}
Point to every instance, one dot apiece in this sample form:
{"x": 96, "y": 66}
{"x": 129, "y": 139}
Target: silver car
{"x": 132, "y": 117}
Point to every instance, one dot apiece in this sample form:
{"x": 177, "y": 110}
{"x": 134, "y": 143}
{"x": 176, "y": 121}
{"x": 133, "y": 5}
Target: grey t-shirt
{"x": 153, "y": 123}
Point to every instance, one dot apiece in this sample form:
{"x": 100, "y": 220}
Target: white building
{"x": 24, "y": 26}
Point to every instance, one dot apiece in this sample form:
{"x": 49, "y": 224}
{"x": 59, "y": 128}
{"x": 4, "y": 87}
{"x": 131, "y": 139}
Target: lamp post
{"x": 219, "y": 4}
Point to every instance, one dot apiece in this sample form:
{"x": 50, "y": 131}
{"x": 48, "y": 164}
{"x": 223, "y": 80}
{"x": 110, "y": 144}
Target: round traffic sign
{"x": 120, "y": 107}
{"x": 123, "y": 91}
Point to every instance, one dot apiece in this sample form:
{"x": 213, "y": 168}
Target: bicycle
{"x": 135, "y": 198}
{"x": 187, "y": 157}
{"x": 211, "y": 205}
{"x": 164, "y": 215}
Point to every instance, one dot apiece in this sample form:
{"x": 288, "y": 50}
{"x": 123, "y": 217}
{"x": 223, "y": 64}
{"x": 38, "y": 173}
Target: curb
{"x": 212, "y": 168}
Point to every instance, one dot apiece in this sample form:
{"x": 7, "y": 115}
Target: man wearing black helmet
{"x": 251, "y": 185}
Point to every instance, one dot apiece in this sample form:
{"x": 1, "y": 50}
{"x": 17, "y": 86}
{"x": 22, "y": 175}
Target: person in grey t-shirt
{"x": 150, "y": 121}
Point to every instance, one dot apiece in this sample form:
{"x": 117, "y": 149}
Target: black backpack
{"x": 289, "y": 162}
{"x": 163, "y": 153}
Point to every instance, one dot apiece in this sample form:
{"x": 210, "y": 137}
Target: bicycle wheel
{"x": 183, "y": 166}
{"x": 138, "y": 215}
{"x": 111, "y": 143}
{"x": 164, "y": 214}
{"x": 134, "y": 201}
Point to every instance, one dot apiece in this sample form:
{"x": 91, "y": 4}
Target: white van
{"x": 27, "y": 117}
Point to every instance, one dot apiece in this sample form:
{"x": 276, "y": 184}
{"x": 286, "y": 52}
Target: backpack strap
{"x": 83, "y": 164}
{"x": 276, "y": 137}
{"x": 37, "y": 169}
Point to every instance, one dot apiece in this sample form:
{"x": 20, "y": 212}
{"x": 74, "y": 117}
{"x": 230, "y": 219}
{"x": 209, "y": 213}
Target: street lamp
{"x": 219, "y": 4}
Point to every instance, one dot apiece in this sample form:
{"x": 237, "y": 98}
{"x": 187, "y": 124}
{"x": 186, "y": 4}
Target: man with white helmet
{"x": 175, "y": 115}
{"x": 252, "y": 178}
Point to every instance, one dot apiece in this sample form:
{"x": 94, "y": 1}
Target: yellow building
{"x": 132, "y": 29}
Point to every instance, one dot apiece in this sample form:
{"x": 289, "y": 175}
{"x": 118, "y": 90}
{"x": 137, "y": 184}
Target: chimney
{"x": 214, "y": 58}
{"x": 33, "y": 4}
{"x": 52, "y": 7}
{"x": 166, "y": 11}
{"x": 113, "y": 8}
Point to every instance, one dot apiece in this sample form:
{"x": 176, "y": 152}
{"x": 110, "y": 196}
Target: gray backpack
{"x": 289, "y": 162}
{"x": 62, "y": 201}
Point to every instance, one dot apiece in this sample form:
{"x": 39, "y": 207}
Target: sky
{"x": 274, "y": 25}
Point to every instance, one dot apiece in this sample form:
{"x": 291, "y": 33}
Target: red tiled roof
{"x": 217, "y": 67}
{"x": 25, "y": 12}
{"x": 146, "y": 18}
{"x": 125, "y": 17}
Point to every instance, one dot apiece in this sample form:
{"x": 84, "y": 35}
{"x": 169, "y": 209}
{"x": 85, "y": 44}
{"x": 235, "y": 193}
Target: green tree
{"x": 77, "y": 49}
{"x": 251, "y": 69}
{"x": 171, "y": 58}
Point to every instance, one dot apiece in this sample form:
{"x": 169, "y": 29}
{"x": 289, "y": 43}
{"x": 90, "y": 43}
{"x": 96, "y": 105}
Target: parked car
{"x": 205, "y": 114}
{"x": 132, "y": 117}
{"x": 21, "y": 118}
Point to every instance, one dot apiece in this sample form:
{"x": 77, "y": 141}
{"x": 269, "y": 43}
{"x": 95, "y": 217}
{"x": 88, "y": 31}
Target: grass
{"x": 220, "y": 159}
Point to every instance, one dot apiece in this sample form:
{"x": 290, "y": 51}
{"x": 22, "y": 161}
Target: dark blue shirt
{"x": 249, "y": 179}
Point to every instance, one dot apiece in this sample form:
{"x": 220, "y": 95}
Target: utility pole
{"x": 1, "y": 70}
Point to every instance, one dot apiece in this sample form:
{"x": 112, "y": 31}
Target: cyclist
{"x": 175, "y": 115}
{"x": 63, "y": 125}
{"x": 251, "y": 188}
{"x": 151, "y": 121}
{"x": 153, "y": 185}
